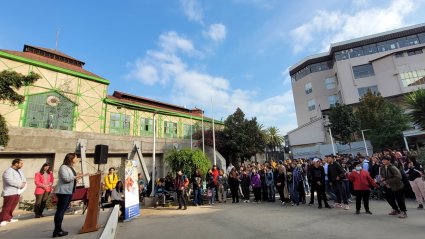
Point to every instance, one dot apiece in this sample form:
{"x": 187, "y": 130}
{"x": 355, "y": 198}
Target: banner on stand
{"x": 131, "y": 188}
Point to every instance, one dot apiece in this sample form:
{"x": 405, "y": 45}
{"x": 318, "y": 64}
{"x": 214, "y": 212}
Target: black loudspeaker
{"x": 101, "y": 154}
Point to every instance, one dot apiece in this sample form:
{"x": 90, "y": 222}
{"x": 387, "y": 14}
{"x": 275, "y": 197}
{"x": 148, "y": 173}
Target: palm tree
{"x": 416, "y": 103}
{"x": 274, "y": 139}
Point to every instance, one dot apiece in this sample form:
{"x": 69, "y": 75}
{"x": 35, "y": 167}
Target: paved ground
{"x": 30, "y": 227}
{"x": 270, "y": 220}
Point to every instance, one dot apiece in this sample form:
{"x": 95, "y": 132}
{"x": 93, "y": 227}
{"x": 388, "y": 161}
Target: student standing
{"x": 13, "y": 181}
{"x": 317, "y": 178}
{"x": 43, "y": 182}
{"x": 414, "y": 175}
{"x": 256, "y": 185}
{"x": 111, "y": 181}
{"x": 392, "y": 181}
{"x": 361, "y": 181}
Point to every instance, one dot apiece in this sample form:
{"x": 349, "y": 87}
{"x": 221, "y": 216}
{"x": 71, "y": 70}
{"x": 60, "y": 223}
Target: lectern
{"x": 92, "y": 217}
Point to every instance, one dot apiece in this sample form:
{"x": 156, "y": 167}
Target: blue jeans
{"x": 271, "y": 192}
{"x": 295, "y": 196}
{"x": 212, "y": 198}
{"x": 347, "y": 188}
{"x": 197, "y": 196}
{"x": 63, "y": 202}
{"x": 329, "y": 191}
{"x": 307, "y": 187}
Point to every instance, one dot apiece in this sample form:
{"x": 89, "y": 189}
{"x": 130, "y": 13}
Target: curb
{"x": 111, "y": 226}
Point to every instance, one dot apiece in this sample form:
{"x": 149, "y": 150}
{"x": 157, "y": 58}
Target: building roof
{"x": 145, "y": 102}
{"x": 52, "y": 51}
{"x": 72, "y": 64}
{"x": 356, "y": 42}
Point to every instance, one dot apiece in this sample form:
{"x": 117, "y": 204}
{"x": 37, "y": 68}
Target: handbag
{"x": 209, "y": 193}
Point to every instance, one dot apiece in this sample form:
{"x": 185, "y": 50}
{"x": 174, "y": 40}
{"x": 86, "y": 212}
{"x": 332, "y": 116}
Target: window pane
{"x": 363, "y": 90}
{"x": 370, "y": 49}
{"x": 356, "y": 52}
{"x": 363, "y": 71}
{"x": 308, "y": 88}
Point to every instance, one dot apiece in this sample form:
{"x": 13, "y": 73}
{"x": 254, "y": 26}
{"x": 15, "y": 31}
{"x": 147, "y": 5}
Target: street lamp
{"x": 327, "y": 124}
{"x": 364, "y": 141}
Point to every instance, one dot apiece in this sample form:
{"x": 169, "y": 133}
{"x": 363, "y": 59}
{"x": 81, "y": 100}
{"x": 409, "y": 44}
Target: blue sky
{"x": 186, "y": 51}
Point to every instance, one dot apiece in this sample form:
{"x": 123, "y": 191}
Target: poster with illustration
{"x": 131, "y": 190}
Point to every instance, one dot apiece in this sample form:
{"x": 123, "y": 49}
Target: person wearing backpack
{"x": 392, "y": 180}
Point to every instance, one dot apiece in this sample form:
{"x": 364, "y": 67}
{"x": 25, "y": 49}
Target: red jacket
{"x": 362, "y": 180}
{"x": 39, "y": 180}
{"x": 215, "y": 174}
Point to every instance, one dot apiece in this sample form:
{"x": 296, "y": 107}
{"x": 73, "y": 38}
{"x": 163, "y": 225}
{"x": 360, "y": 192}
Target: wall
{"x": 37, "y": 146}
{"x": 309, "y": 133}
{"x": 320, "y": 150}
{"x": 87, "y": 95}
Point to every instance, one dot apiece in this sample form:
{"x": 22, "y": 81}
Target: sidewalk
{"x": 30, "y": 227}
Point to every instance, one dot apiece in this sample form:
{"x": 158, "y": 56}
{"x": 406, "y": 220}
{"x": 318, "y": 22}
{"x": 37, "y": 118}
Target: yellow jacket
{"x": 111, "y": 181}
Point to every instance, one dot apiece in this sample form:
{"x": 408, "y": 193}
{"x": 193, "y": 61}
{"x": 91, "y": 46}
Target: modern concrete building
{"x": 391, "y": 63}
{"x": 69, "y": 105}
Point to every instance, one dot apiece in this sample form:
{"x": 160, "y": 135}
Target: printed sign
{"x": 131, "y": 189}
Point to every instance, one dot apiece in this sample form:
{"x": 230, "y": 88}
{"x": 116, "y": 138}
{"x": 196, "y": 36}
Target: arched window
{"x": 49, "y": 110}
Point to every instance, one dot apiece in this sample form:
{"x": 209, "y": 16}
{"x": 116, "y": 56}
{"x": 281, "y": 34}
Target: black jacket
{"x": 335, "y": 170}
{"x": 317, "y": 175}
{"x": 280, "y": 178}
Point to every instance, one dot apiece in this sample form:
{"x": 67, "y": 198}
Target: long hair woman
{"x": 117, "y": 197}
{"x": 43, "y": 182}
{"x": 64, "y": 189}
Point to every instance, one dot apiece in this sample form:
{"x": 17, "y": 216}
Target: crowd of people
{"x": 335, "y": 178}
{"x": 387, "y": 175}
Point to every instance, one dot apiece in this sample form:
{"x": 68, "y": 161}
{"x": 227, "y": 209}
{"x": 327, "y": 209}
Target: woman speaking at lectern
{"x": 67, "y": 180}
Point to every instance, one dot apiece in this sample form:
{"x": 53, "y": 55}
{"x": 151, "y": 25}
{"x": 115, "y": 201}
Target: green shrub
{"x": 188, "y": 161}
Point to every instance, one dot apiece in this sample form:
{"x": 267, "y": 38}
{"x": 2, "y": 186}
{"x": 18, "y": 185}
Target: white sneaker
{"x": 3, "y": 223}
{"x": 346, "y": 207}
{"x": 13, "y": 220}
{"x": 337, "y": 205}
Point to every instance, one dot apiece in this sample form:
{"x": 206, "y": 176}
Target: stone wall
{"x": 37, "y": 146}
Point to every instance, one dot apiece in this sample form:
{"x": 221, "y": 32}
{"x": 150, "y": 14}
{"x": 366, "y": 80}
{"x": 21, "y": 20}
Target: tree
{"x": 241, "y": 139}
{"x": 273, "y": 138}
{"x": 385, "y": 119}
{"x": 234, "y": 131}
{"x": 188, "y": 161}
{"x": 244, "y": 138}
{"x": 10, "y": 82}
{"x": 416, "y": 104}
{"x": 343, "y": 123}
{"x": 256, "y": 139}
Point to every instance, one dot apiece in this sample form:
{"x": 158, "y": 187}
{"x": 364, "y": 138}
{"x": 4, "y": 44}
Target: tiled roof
{"x": 50, "y": 61}
{"x": 54, "y": 52}
{"x": 142, "y": 101}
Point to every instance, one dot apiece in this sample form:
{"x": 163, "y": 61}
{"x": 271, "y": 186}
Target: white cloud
{"x": 335, "y": 26}
{"x": 195, "y": 88}
{"x": 171, "y": 42}
{"x": 216, "y": 32}
{"x": 193, "y": 10}
{"x": 286, "y": 77}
